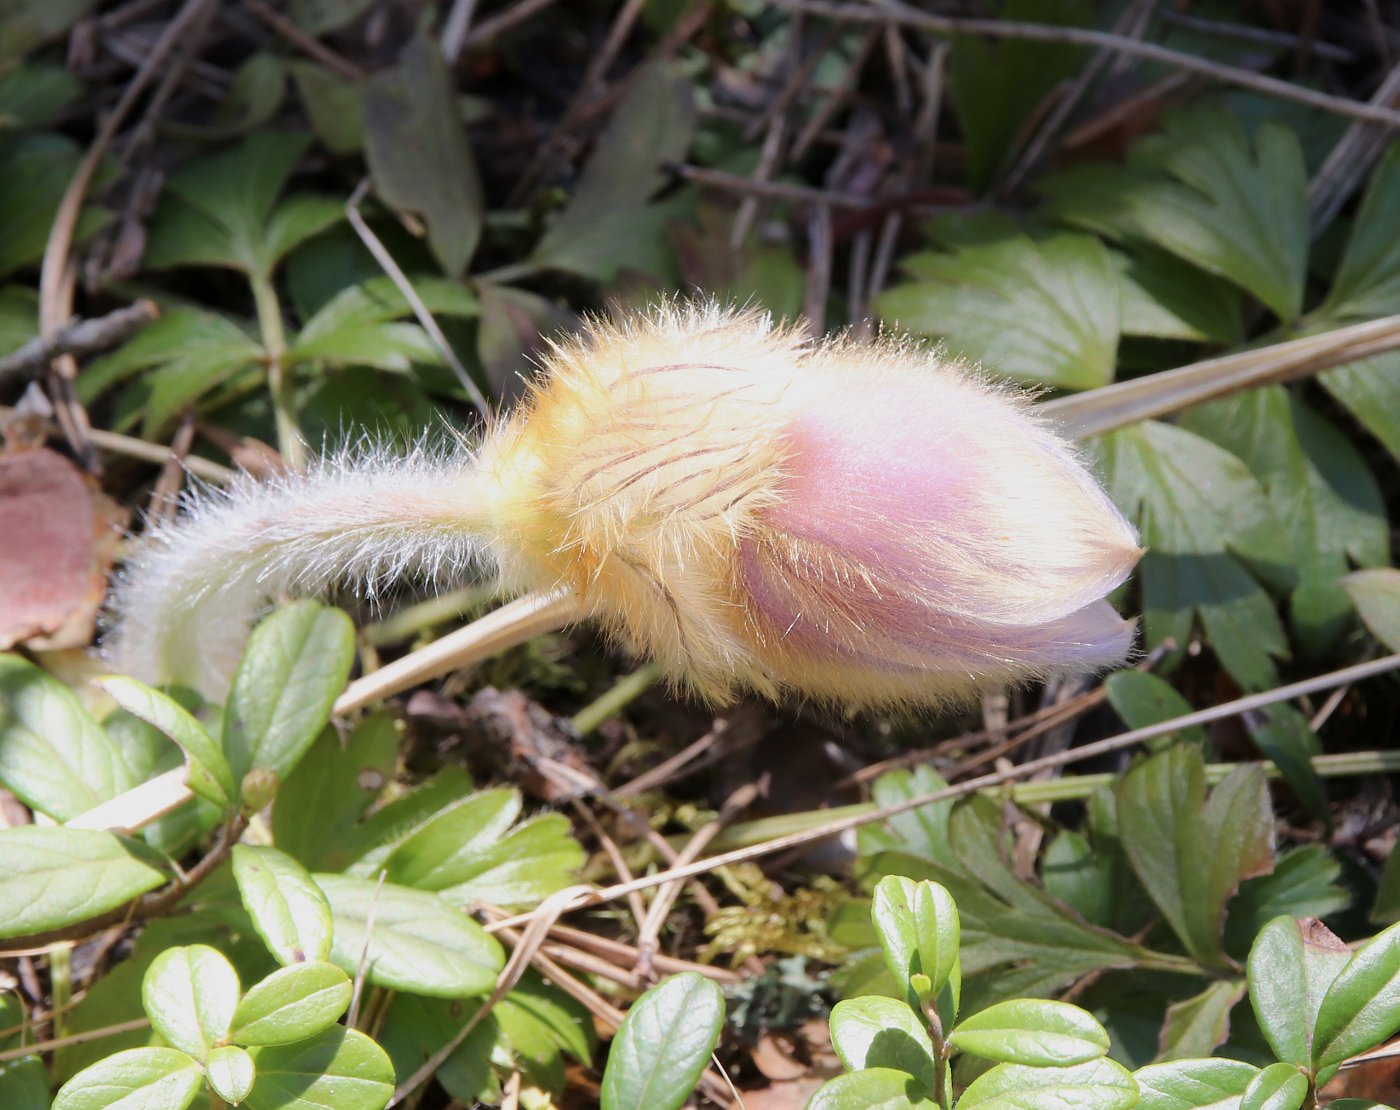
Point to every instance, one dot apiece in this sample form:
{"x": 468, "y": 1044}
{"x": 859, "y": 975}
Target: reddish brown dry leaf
{"x": 58, "y": 537}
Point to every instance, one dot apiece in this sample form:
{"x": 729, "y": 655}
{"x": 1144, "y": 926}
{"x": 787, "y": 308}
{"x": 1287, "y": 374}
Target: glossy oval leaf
{"x": 663, "y": 1045}
{"x": 230, "y": 1072}
{"x": 876, "y": 1032}
{"x": 289, "y": 910}
{"x": 53, "y": 756}
{"x": 418, "y": 942}
{"x": 919, "y": 930}
{"x": 1362, "y": 1006}
{"x": 1291, "y": 966}
{"x": 190, "y": 994}
{"x": 51, "y": 877}
{"x": 209, "y": 774}
{"x": 872, "y": 1089}
{"x": 444, "y": 851}
{"x": 291, "y": 1004}
{"x": 1277, "y": 1087}
{"x": 1194, "y": 1084}
{"x": 1098, "y": 1085}
{"x": 340, "y": 1068}
{"x": 1032, "y": 1031}
{"x": 137, "y": 1079}
{"x": 295, "y": 665}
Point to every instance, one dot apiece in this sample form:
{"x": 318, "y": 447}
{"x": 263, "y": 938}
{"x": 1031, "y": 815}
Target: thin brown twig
{"x": 79, "y": 338}
{"x": 501, "y": 22}
{"x": 590, "y": 897}
{"x": 55, "y": 288}
{"x": 311, "y": 47}
{"x": 893, "y": 10}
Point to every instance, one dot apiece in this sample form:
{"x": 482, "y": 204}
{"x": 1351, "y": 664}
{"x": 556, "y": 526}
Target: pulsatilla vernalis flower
{"x": 857, "y": 524}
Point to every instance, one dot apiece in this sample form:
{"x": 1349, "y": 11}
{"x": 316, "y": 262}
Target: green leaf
{"x": 53, "y": 756}
{"x": 1097, "y": 1085}
{"x": 288, "y": 909}
{"x": 370, "y": 843}
{"x": 230, "y": 1071}
{"x": 1194, "y": 1084}
{"x": 872, "y": 1089}
{"x": 190, "y": 994}
{"x": 922, "y": 831}
{"x": 1376, "y": 595}
{"x": 209, "y": 774}
{"x": 183, "y": 354}
{"x": 1190, "y": 853}
{"x": 1361, "y": 1008}
{"x": 334, "y": 105}
{"x": 1162, "y": 297}
{"x": 1277, "y": 1087}
{"x": 1042, "y": 311}
{"x": 1284, "y": 736}
{"x": 256, "y": 93}
{"x": 34, "y": 172}
{"x": 137, "y": 1079}
{"x": 418, "y": 942}
{"x": 1321, "y": 490}
{"x": 32, "y": 94}
{"x": 529, "y": 863}
{"x": 1032, "y": 1031}
{"x": 919, "y": 930}
{"x": 418, "y": 155}
{"x": 1197, "y": 1026}
{"x": 1202, "y": 516}
{"x": 445, "y": 850}
{"x": 220, "y": 210}
{"x": 1370, "y": 391}
{"x": 1142, "y": 699}
{"x": 54, "y": 877}
{"x": 295, "y": 665}
{"x": 603, "y": 227}
{"x": 1386, "y": 909}
{"x": 999, "y": 86}
{"x": 292, "y": 1004}
{"x": 538, "y": 1024}
{"x": 1368, "y": 279}
{"x": 875, "y": 1032}
{"x": 1303, "y": 884}
{"x": 663, "y": 1045}
{"x": 340, "y": 1068}
{"x": 320, "y": 801}
{"x": 1201, "y": 191}
{"x": 356, "y": 326}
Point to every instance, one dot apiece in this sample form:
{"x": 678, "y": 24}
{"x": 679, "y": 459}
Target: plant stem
{"x": 274, "y": 337}
{"x": 940, "y": 1056}
{"x": 625, "y": 691}
{"x": 60, "y": 985}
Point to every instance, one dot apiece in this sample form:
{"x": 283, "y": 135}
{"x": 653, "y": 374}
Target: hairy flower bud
{"x": 862, "y": 524}
{"x": 858, "y": 524}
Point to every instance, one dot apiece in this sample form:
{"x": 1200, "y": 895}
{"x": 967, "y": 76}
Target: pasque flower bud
{"x": 858, "y": 524}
